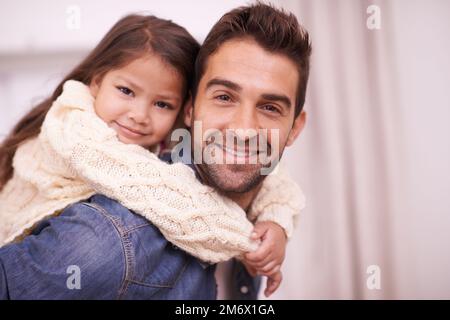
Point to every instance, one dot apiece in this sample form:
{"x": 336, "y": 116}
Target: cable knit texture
{"x": 77, "y": 155}
{"x": 279, "y": 200}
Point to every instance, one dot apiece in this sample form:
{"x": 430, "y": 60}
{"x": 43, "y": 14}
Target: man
{"x": 251, "y": 73}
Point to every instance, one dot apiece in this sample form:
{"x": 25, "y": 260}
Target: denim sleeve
{"x": 77, "y": 255}
{"x": 245, "y": 287}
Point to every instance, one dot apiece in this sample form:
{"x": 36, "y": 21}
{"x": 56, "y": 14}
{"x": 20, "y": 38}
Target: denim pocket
{"x": 152, "y": 261}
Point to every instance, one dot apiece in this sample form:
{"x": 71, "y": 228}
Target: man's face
{"x": 245, "y": 87}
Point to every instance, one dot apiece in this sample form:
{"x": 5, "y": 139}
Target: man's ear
{"x": 188, "y": 112}
{"x": 299, "y": 124}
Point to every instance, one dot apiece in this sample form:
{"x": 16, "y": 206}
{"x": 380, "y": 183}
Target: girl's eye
{"x": 270, "y": 108}
{"x": 163, "y": 105}
{"x": 126, "y": 91}
{"x": 224, "y": 97}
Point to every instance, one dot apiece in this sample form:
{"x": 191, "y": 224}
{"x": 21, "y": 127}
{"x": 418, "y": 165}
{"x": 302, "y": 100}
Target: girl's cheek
{"x": 165, "y": 127}
{"x": 114, "y": 108}
{"x": 100, "y": 110}
{"x": 162, "y": 131}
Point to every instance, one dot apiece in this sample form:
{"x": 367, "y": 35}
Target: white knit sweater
{"x": 77, "y": 155}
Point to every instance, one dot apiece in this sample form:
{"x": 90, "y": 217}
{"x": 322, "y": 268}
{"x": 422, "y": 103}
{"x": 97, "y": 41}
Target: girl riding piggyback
{"x": 101, "y": 132}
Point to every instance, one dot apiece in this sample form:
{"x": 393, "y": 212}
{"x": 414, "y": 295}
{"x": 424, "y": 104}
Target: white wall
{"x": 41, "y": 26}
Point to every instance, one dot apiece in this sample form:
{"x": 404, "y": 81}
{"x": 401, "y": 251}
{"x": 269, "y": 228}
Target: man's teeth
{"x": 239, "y": 153}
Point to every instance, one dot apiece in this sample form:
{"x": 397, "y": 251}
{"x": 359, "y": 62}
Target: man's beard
{"x": 232, "y": 178}
{"x": 236, "y": 177}
{"x": 235, "y": 171}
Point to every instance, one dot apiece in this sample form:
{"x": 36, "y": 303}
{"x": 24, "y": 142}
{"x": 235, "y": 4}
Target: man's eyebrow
{"x": 223, "y": 82}
{"x": 277, "y": 97}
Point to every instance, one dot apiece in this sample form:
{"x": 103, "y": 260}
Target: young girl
{"x": 96, "y": 133}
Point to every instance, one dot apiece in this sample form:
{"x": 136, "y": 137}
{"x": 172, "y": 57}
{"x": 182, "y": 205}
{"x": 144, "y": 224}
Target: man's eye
{"x": 270, "y": 108}
{"x": 126, "y": 91}
{"x": 163, "y": 105}
{"x": 223, "y": 97}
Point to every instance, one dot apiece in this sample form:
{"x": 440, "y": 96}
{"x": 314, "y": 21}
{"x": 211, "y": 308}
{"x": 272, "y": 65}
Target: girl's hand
{"x": 267, "y": 259}
{"x": 273, "y": 282}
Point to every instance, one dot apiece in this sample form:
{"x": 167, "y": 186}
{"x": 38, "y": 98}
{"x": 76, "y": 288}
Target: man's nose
{"x": 245, "y": 117}
{"x": 245, "y": 121}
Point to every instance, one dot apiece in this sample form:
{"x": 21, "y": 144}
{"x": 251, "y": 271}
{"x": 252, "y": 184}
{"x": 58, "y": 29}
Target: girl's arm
{"x": 280, "y": 200}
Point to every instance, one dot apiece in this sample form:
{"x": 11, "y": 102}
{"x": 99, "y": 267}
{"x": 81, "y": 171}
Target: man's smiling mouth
{"x": 237, "y": 154}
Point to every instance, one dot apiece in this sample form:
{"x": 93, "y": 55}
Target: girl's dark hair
{"x": 130, "y": 38}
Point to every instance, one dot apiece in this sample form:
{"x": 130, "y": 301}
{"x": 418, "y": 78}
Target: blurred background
{"x": 373, "y": 160}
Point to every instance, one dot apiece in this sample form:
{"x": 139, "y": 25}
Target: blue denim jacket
{"x": 116, "y": 254}
{"x": 98, "y": 249}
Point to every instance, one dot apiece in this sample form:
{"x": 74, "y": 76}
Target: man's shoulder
{"x": 107, "y": 209}
{"x": 112, "y": 221}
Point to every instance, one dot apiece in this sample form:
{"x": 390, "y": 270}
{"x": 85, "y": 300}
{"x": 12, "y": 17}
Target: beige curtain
{"x": 374, "y": 157}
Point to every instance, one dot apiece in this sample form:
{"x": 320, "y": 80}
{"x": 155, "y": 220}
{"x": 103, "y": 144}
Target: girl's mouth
{"x": 128, "y": 132}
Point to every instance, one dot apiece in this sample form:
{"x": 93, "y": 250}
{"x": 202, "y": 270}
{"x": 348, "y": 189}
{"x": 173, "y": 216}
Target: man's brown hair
{"x": 273, "y": 29}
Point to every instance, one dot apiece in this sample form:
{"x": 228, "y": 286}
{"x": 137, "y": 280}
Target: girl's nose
{"x": 140, "y": 114}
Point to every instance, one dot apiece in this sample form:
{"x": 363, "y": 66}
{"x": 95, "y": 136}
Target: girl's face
{"x": 140, "y": 101}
